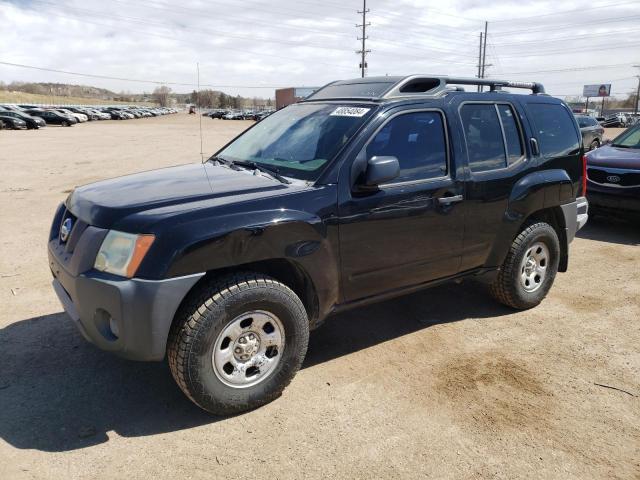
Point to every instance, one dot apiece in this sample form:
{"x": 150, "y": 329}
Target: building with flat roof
{"x": 287, "y": 96}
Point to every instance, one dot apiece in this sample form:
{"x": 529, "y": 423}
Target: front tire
{"x": 595, "y": 144}
{"x": 237, "y": 342}
{"x": 530, "y": 267}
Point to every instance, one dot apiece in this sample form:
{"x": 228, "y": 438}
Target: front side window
{"x": 417, "y": 140}
{"x": 554, "y": 129}
{"x": 299, "y": 140}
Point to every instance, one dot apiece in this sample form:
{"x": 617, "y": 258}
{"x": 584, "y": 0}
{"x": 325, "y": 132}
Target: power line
{"x": 568, "y": 25}
{"x": 569, "y": 38}
{"x": 571, "y": 69}
{"x": 555, "y": 14}
{"x": 136, "y": 80}
{"x": 569, "y": 50}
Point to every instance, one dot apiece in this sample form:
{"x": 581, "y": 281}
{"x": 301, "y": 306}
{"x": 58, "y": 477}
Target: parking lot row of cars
{"x": 225, "y": 114}
{"x": 20, "y": 117}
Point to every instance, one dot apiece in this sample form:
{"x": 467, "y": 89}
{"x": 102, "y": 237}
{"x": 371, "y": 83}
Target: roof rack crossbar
{"x": 535, "y": 87}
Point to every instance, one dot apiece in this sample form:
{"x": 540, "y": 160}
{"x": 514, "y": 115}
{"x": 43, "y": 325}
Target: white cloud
{"x": 280, "y": 43}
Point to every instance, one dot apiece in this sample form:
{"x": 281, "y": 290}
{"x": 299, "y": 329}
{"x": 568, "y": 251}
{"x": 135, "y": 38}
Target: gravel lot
{"x": 444, "y": 383}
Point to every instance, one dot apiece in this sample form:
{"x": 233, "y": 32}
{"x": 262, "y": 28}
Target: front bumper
{"x": 615, "y": 201}
{"x": 129, "y": 317}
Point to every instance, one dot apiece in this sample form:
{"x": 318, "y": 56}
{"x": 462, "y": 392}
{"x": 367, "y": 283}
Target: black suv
{"x": 368, "y": 189}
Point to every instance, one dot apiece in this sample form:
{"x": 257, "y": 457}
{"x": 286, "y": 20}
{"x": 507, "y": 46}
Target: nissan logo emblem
{"x": 65, "y": 229}
{"x": 613, "y": 179}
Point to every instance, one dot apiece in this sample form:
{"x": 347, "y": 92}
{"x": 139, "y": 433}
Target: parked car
{"x": 13, "y": 108}
{"x": 613, "y": 171}
{"x": 31, "y": 122}
{"x": 617, "y": 120}
{"x": 233, "y": 115}
{"x": 218, "y": 113}
{"x": 53, "y": 117}
{"x": 261, "y": 115}
{"x": 367, "y": 189}
{"x": 12, "y": 123}
{"x": 591, "y": 130}
{"x": 80, "y": 117}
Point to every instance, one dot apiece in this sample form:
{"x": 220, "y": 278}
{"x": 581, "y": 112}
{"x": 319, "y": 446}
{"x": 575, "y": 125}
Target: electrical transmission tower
{"x": 363, "y": 52}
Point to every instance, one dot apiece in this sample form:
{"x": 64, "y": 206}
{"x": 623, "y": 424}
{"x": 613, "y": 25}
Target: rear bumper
{"x": 576, "y": 215}
{"x": 128, "y": 317}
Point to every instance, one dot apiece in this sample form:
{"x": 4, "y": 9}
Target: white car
{"x": 81, "y": 117}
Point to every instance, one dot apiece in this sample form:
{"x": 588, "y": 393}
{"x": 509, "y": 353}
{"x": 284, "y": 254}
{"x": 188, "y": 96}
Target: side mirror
{"x": 381, "y": 170}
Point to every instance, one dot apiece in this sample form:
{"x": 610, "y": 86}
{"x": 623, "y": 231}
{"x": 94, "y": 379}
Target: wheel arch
{"x": 286, "y": 271}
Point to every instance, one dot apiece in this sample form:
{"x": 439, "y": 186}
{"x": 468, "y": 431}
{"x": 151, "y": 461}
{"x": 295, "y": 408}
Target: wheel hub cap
{"x": 246, "y": 346}
{"x": 533, "y": 269}
{"x": 248, "y": 349}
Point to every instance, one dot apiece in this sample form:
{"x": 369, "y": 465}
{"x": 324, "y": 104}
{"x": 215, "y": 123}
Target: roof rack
{"x": 431, "y": 86}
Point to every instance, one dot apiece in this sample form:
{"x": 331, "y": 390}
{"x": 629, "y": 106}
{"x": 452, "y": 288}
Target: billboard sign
{"x": 599, "y": 90}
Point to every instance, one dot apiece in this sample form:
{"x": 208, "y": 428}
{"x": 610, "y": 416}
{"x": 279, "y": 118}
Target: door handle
{"x": 450, "y": 200}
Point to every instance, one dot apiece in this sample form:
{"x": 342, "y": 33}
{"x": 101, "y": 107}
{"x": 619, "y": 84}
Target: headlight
{"x": 121, "y": 253}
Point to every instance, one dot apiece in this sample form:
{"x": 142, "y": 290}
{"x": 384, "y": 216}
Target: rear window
{"x": 554, "y": 129}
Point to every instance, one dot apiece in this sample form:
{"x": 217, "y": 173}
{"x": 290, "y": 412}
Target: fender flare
{"x": 535, "y": 192}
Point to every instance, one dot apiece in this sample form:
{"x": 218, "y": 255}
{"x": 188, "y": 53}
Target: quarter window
{"x": 555, "y": 129}
{"x": 417, "y": 140}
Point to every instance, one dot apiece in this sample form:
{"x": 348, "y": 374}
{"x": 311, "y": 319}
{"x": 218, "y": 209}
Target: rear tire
{"x": 530, "y": 267}
{"x": 209, "y": 360}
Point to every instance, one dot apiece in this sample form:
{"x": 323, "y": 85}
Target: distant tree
{"x": 161, "y": 95}
{"x": 269, "y": 102}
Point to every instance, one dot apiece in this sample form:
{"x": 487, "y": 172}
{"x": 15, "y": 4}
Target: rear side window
{"x": 417, "y": 140}
{"x": 483, "y": 126}
{"x": 554, "y": 129}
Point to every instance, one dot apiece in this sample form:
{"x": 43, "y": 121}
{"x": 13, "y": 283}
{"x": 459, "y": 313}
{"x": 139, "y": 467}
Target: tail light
{"x": 584, "y": 175}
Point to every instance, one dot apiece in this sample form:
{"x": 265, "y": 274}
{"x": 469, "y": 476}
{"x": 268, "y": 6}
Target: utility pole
{"x": 484, "y": 52}
{"x": 480, "y": 60}
{"x": 364, "y": 51}
{"x": 637, "y": 105}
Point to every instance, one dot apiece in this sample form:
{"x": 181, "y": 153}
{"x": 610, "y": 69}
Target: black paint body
{"x": 349, "y": 247}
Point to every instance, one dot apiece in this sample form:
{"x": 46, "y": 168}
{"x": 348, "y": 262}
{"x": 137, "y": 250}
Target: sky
{"x": 253, "y": 46}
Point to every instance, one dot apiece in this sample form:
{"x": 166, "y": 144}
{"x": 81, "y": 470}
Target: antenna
{"x": 197, "y": 112}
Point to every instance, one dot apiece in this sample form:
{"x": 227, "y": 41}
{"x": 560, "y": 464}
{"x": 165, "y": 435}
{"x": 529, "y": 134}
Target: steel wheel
{"x": 248, "y": 349}
{"x": 533, "y": 268}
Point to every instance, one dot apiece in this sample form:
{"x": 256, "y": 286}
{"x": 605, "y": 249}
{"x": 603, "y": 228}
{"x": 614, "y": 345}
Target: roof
{"x": 396, "y": 87}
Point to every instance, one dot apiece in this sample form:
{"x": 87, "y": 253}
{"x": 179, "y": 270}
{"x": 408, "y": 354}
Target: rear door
{"x": 493, "y": 138}
{"x": 410, "y": 230}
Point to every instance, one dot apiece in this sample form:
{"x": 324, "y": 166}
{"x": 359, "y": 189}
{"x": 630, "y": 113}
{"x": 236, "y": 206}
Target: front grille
{"x": 614, "y": 177}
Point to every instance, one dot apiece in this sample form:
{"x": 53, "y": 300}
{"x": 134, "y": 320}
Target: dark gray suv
{"x": 591, "y": 131}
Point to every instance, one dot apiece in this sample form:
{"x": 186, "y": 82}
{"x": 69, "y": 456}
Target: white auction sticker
{"x": 350, "y": 111}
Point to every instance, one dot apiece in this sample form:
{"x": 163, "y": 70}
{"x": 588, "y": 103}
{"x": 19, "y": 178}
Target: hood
{"x": 106, "y": 202}
{"x": 615, "y": 157}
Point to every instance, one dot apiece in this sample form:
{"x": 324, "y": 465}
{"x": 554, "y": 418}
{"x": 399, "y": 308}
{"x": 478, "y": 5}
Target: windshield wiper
{"x": 262, "y": 168}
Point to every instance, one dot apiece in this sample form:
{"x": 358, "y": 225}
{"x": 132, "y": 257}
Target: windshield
{"x": 629, "y": 138}
{"x": 298, "y": 140}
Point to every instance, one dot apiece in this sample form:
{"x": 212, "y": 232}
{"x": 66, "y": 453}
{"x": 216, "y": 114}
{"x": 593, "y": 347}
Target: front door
{"x": 410, "y": 230}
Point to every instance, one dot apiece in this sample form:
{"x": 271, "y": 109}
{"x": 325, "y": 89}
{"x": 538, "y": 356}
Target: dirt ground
{"x": 444, "y": 383}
